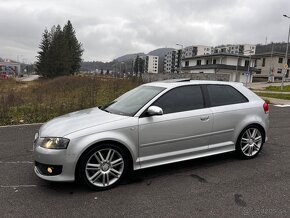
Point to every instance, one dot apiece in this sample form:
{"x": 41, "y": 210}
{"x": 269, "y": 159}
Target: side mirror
{"x": 154, "y": 110}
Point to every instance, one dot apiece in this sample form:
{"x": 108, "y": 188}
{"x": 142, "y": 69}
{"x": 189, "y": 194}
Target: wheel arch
{"x": 252, "y": 124}
{"x": 121, "y": 145}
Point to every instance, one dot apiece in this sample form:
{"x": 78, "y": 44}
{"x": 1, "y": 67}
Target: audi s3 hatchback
{"x": 154, "y": 124}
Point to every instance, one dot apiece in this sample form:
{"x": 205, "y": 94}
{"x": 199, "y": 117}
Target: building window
{"x": 214, "y": 61}
{"x": 263, "y": 62}
{"x": 186, "y": 63}
{"x": 247, "y": 62}
{"x": 279, "y": 70}
{"x": 198, "y": 62}
{"x": 280, "y": 60}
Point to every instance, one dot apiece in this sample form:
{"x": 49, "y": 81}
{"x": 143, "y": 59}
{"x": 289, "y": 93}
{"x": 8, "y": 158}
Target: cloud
{"x": 108, "y": 29}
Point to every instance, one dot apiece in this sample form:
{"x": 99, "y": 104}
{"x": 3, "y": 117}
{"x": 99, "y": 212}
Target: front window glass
{"x": 181, "y": 99}
{"x": 131, "y": 102}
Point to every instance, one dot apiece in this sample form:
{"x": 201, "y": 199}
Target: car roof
{"x": 185, "y": 81}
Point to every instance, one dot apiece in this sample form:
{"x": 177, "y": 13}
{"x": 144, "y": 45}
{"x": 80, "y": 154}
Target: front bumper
{"x": 50, "y": 158}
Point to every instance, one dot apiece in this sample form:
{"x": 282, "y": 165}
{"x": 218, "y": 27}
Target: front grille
{"x": 53, "y": 169}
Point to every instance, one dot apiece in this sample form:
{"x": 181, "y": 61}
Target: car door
{"x": 228, "y": 107}
{"x": 181, "y": 132}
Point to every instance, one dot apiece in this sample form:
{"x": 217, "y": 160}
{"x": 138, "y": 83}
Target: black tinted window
{"x": 181, "y": 99}
{"x": 224, "y": 95}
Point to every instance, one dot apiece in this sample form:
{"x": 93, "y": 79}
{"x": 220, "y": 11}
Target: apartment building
{"x": 194, "y": 50}
{"x": 239, "y": 49}
{"x": 151, "y": 64}
{"x": 235, "y": 65}
{"x": 173, "y": 58}
{"x": 271, "y": 60}
{"x": 271, "y": 65}
{"x": 171, "y": 61}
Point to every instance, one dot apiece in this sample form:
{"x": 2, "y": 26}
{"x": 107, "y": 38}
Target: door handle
{"x": 204, "y": 118}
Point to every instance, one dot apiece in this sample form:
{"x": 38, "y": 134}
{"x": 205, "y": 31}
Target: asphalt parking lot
{"x": 220, "y": 185}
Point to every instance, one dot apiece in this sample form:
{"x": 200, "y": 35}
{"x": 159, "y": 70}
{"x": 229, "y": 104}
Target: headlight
{"x": 55, "y": 143}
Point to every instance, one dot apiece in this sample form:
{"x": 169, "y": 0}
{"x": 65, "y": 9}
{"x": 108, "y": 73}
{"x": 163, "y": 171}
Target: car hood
{"x": 75, "y": 121}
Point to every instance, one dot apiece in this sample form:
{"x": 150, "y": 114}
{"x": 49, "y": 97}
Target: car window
{"x": 131, "y": 102}
{"x": 224, "y": 95}
{"x": 181, "y": 99}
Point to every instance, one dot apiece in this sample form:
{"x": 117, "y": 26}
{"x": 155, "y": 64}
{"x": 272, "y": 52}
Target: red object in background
{"x": 3, "y": 75}
{"x": 266, "y": 107}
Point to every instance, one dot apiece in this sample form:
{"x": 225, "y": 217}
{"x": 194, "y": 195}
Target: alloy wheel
{"x": 104, "y": 167}
{"x": 251, "y": 142}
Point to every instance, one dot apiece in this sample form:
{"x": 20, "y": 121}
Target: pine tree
{"x": 60, "y": 52}
{"x": 42, "y": 65}
{"x": 56, "y": 57}
{"x": 136, "y": 65}
{"x": 139, "y": 65}
{"x": 73, "y": 49}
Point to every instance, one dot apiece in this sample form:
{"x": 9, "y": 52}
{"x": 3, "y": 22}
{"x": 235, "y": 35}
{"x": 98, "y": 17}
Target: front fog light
{"x": 49, "y": 169}
{"x": 55, "y": 143}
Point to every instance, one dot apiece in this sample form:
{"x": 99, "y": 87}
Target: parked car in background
{"x": 154, "y": 124}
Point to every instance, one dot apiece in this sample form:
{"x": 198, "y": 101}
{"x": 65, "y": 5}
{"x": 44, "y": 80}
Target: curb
{"x": 20, "y": 125}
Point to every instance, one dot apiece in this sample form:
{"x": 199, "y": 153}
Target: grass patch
{"x": 44, "y": 99}
{"x": 278, "y": 88}
{"x": 274, "y": 95}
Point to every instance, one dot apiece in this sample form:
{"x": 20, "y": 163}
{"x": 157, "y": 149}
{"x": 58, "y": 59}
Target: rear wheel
{"x": 250, "y": 142}
{"x": 103, "y": 166}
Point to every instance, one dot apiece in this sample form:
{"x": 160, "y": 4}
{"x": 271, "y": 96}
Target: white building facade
{"x": 238, "y": 49}
{"x": 235, "y": 65}
{"x": 194, "y": 50}
{"x": 151, "y": 64}
{"x": 271, "y": 65}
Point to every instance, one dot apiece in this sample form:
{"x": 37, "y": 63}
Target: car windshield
{"x": 131, "y": 102}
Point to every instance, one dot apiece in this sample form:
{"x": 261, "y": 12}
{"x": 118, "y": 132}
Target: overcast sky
{"x": 110, "y": 28}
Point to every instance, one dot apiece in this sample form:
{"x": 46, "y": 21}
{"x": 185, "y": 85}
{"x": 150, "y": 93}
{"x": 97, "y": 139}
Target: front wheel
{"x": 250, "y": 142}
{"x": 103, "y": 166}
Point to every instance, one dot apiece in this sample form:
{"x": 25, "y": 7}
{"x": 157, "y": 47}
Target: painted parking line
{"x": 16, "y": 162}
{"x": 282, "y": 105}
{"x": 17, "y": 186}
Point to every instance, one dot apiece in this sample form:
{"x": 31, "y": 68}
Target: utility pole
{"x": 248, "y": 73}
{"x": 286, "y": 57}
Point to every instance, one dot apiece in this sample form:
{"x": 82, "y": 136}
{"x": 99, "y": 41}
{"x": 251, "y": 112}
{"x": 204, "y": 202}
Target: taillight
{"x": 266, "y": 107}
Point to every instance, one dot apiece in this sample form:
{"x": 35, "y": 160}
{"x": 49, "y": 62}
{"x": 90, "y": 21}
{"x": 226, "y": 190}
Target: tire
{"x": 250, "y": 142}
{"x": 103, "y": 166}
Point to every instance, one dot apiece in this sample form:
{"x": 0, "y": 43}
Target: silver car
{"x": 153, "y": 124}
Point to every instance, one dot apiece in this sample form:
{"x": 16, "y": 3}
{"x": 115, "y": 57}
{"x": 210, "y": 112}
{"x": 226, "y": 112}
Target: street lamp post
{"x": 180, "y": 56}
{"x": 248, "y": 71}
{"x": 286, "y": 56}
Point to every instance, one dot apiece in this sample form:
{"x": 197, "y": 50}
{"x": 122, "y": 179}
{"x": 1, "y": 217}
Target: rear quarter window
{"x": 224, "y": 95}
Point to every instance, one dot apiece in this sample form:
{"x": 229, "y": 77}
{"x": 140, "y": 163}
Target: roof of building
{"x": 9, "y": 63}
{"x": 269, "y": 54}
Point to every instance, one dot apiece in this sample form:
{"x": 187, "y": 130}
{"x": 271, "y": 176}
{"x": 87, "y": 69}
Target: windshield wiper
{"x": 107, "y": 105}
{"x": 107, "y": 111}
